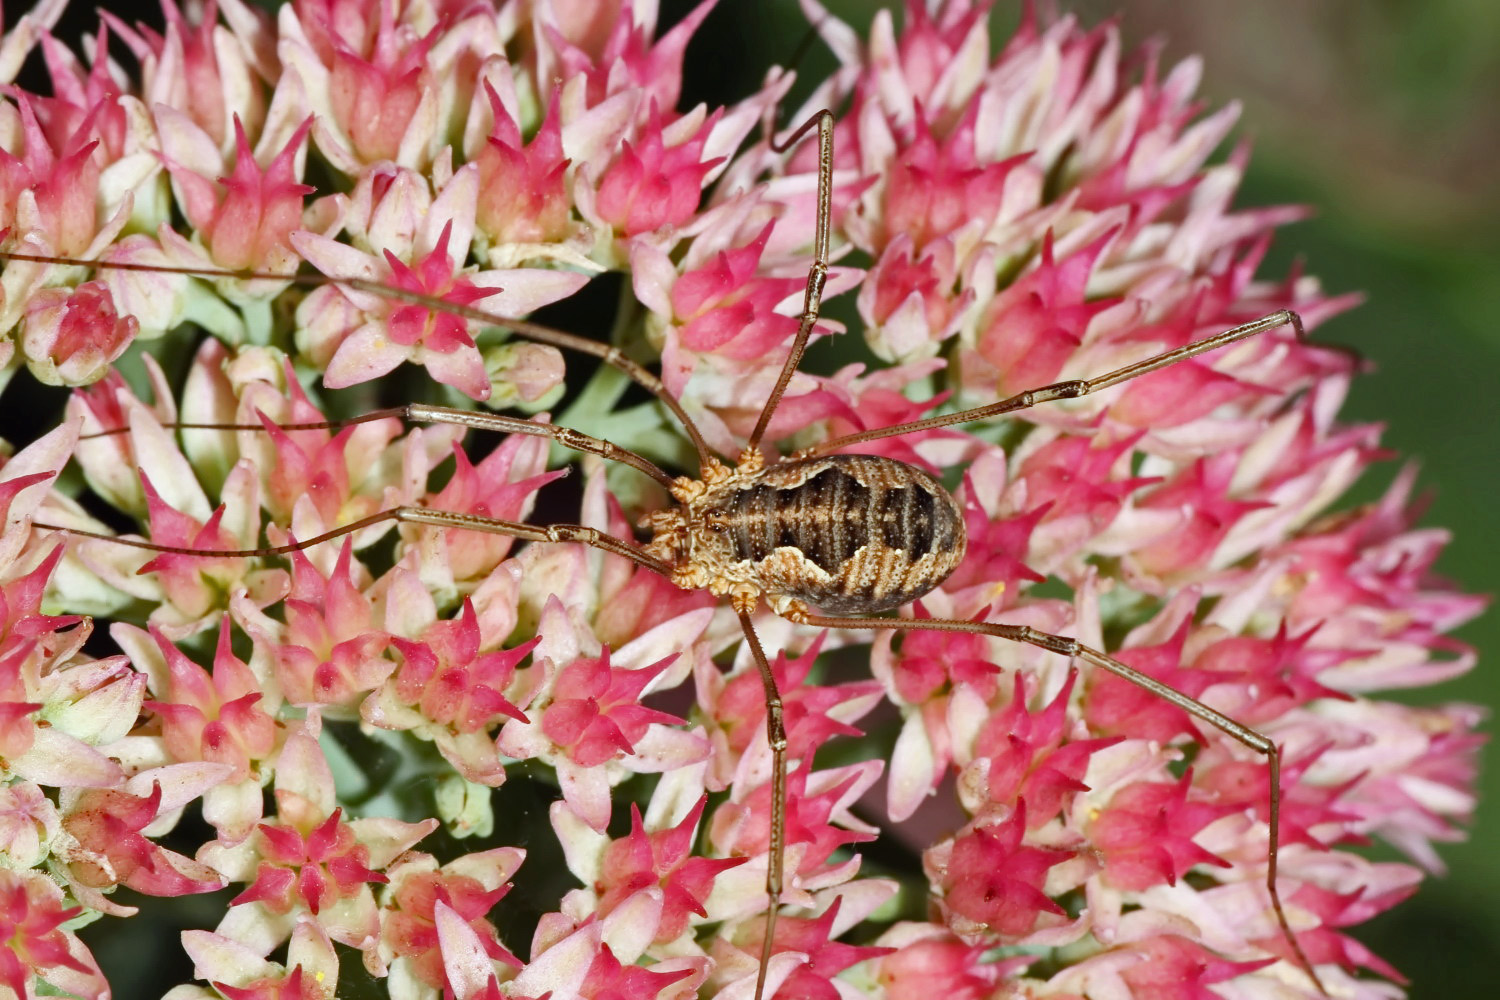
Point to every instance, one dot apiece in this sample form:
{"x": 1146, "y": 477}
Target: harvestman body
{"x": 843, "y": 534}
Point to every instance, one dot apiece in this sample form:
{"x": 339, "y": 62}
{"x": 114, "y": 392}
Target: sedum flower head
{"x": 1005, "y": 216}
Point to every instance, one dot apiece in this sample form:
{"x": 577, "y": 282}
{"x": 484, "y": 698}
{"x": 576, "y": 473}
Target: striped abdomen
{"x": 873, "y": 533}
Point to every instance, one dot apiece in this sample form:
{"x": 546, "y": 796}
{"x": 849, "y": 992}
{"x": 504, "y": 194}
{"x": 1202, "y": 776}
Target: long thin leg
{"x": 581, "y": 534}
{"x": 1073, "y": 648}
{"x": 776, "y": 737}
{"x": 1071, "y": 389}
{"x": 817, "y": 274}
{"x": 474, "y": 419}
{"x": 560, "y": 339}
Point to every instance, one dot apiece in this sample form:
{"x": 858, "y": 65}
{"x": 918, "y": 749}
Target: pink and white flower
{"x": 1005, "y": 218}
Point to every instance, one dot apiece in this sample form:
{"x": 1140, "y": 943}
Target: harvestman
{"x": 849, "y": 534}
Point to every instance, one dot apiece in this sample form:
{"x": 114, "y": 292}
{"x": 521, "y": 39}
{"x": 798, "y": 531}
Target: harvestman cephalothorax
{"x": 729, "y": 530}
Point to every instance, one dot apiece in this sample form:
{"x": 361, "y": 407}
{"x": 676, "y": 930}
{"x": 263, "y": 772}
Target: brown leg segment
{"x": 577, "y": 533}
{"x": 817, "y": 274}
{"x": 776, "y": 737}
{"x": 1074, "y": 649}
{"x": 1071, "y": 389}
{"x": 477, "y": 420}
{"x": 560, "y": 339}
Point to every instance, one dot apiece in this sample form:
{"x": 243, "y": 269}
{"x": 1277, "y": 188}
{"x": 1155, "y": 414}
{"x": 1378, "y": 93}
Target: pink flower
{"x": 111, "y": 850}
{"x": 50, "y": 188}
{"x": 28, "y": 822}
{"x": 1177, "y": 969}
{"x": 421, "y": 241}
{"x": 654, "y": 184}
{"x": 312, "y": 870}
{"x": 213, "y": 717}
{"x": 723, "y": 302}
{"x": 522, "y": 195}
{"x": 72, "y": 337}
{"x": 503, "y": 485}
{"x": 1032, "y": 327}
{"x": 292, "y": 986}
{"x": 627, "y": 60}
{"x": 817, "y": 821}
{"x": 413, "y": 330}
{"x": 247, "y": 228}
{"x": 377, "y": 76}
{"x": 1327, "y": 945}
{"x": 374, "y": 99}
{"x": 812, "y": 714}
{"x": 1115, "y": 706}
{"x": 990, "y": 879}
{"x": 640, "y": 860}
{"x": 446, "y": 677}
{"x": 937, "y": 187}
{"x": 192, "y": 585}
{"x": 311, "y": 970}
{"x": 57, "y": 707}
{"x": 331, "y": 649}
{"x": 608, "y": 979}
{"x": 446, "y": 690}
{"x": 640, "y": 602}
{"x": 468, "y": 889}
{"x": 17, "y": 735}
{"x": 909, "y": 296}
{"x": 1146, "y": 834}
{"x": 1046, "y": 210}
{"x": 86, "y": 96}
{"x": 586, "y": 719}
{"x": 313, "y": 479}
{"x": 37, "y": 948}
{"x": 1028, "y": 756}
{"x": 937, "y": 965}
{"x": 595, "y": 715}
{"x": 188, "y": 68}
{"x": 826, "y": 958}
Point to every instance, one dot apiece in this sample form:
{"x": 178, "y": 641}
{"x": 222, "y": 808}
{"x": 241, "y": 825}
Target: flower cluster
{"x": 1003, "y": 219}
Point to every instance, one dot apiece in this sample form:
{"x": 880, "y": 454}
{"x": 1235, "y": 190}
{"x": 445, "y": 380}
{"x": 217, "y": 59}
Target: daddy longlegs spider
{"x": 728, "y": 530}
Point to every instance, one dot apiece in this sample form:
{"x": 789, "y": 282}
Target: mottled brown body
{"x": 848, "y": 534}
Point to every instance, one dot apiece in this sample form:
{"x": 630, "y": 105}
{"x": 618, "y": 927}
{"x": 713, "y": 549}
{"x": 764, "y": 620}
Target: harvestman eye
{"x": 823, "y": 538}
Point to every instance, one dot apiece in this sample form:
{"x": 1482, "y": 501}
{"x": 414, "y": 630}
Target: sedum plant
{"x": 320, "y": 739}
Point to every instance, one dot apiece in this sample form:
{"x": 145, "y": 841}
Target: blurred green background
{"x": 1385, "y": 117}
